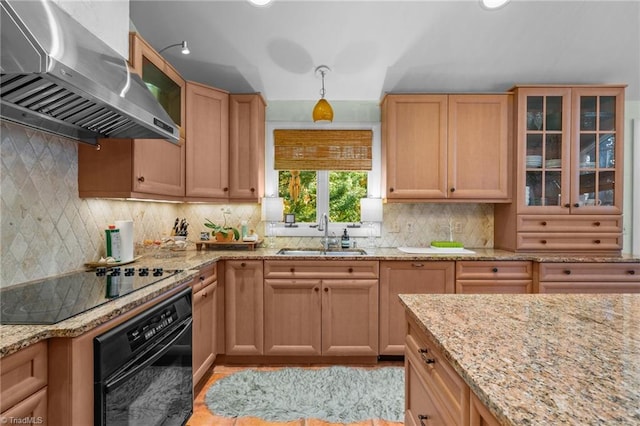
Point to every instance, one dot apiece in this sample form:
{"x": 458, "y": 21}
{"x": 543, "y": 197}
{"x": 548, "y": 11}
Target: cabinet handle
{"x": 417, "y": 265}
{"x": 495, "y": 269}
{"x": 567, "y": 272}
{"x": 567, "y": 205}
{"x": 423, "y": 351}
{"x": 543, "y": 241}
{"x": 422, "y": 418}
{"x": 543, "y": 223}
{"x": 141, "y": 179}
{"x": 204, "y": 293}
{"x": 596, "y": 241}
{"x": 596, "y": 223}
{"x": 390, "y": 189}
{"x": 452, "y": 190}
{"x": 201, "y": 277}
{"x": 576, "y": 205}
{"x": 631, "y": 272}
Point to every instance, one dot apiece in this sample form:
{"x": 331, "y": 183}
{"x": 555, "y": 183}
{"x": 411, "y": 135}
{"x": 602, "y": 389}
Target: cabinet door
{"x": 543, "y": 139}
{"x": 415, "y": 146}
{"x": 246, "y": 147}
{"x": 292, "y": 317}
{"x": 478, "y": 150}
{"x": 158, "y": 167}
{"x": 597, "y": 150}
{"x": 480, "y": 414}
{"x": 208, "y": 144}
{"x": 204, "y": 327}
{"x": 244, "y": 307}
{"x": 401, "y": 277}
{"x": 350, "y": 317}
{"x": 421, "y": 408}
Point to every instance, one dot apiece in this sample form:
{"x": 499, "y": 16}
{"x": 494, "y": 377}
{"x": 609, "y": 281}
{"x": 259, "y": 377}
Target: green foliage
{"x": 222, "y": 229}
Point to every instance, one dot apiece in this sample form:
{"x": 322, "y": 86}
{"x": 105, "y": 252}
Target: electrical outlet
{"x": 394, "y": 228}
{"x": 457, "y": 227}
{"x": 409, "y": 228}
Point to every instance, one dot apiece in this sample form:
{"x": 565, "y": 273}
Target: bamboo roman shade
{"x": 322, "y": 149}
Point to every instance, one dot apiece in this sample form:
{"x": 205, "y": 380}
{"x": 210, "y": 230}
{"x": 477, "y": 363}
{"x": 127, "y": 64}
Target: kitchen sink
{"x": 316, "y": 252}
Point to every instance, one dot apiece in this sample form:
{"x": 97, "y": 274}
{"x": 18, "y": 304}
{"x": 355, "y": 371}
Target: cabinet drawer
{"x": 33, "y": 407}
{"x": 207, "y": 276}
{"x": 494, "y": 286}
{"x": 595, "y": 272}
{"x": 326, "y": 269}
{"x": 22, "y": 374}
{"x": 569, "y": 241}
{"x": 492, "y": 270}
{"x": 448, "y": 387}
{"x": 578, "y": 287}
{"x": 577, "y": 223}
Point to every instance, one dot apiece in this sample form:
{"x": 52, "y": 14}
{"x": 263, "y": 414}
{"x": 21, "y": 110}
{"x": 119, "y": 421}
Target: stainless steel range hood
{"x": 58, "y": 77}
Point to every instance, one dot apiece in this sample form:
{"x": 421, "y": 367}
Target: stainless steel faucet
{"x": 323, "y": 225}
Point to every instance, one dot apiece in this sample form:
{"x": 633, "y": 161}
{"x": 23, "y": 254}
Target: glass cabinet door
{"x": 597, "y": 146}
{"x": 545, "y": 150}
{"x": 165, "y": 90}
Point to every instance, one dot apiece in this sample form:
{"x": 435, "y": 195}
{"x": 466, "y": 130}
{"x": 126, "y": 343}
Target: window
{"x": 309, "y": 193}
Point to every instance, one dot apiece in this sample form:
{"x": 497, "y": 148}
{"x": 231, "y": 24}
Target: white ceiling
{"x": 373, "y": 47}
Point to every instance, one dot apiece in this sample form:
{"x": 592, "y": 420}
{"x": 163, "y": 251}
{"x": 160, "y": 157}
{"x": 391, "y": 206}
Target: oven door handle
{"x": 147, "y": 358}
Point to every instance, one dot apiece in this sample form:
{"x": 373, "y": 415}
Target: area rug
{"x": 332, "y": 394}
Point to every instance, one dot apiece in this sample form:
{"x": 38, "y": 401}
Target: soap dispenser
{"x": 345, "y": 240}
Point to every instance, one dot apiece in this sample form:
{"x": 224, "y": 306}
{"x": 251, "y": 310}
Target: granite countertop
{"x": 541, "y": 358}
{"x": 16, "y": 337}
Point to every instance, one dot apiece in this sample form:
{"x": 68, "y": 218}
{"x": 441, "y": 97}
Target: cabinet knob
{"x": 326, "y": 289}
{"x": 141, "y": 179}
{"x": 596, "y": 241}
{"x": 495, "y": 269}
{"x": 292, "y": 270}
{"x": 567, "y": 272}
{"x": 225, "y": 189}
{"x": 204, "y": 293}
{"x": 452, "y": 190}
{"x": 422, "y": 418}
{"x": 576, "y": 205}
{"x": 201, "y": 277}
{"x": 253, "y": 190}
{"x": 243, "y": 264}
{"x": 350, "y": 270}
{"x": 543, "y": 241}
{"x": 390, "y": 189}
{"x": 543, "y": 223}
{"x": 567, "y": 205}
{"x": 596, "y": 223}
{"x": 631, "y": 272}
{"x": 316, "y": 289}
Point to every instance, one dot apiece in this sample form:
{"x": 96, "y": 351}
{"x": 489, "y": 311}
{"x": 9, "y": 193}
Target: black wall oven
{"x": 142, "y": 368}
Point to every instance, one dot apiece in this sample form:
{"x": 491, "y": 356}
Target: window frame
{"x": 322, "y": 200}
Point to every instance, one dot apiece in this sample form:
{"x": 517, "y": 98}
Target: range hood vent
{"x": 58, "y": 77}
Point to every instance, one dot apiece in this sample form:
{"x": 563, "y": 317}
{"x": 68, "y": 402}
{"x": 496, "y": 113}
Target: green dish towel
{"x": 447, "y": 244}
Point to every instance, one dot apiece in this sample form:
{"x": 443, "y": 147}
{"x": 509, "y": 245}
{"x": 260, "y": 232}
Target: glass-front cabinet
{"x": 570, "y": 144}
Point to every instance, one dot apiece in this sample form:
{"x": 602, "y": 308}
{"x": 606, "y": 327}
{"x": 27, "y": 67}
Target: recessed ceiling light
{"x": 493, "y": 4}
{"x": 260, "y": 2}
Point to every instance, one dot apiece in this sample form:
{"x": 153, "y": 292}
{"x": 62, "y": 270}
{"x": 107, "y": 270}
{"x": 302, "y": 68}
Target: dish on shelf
{"x": 553, "y": 163}
{"x": 588, "y": 165}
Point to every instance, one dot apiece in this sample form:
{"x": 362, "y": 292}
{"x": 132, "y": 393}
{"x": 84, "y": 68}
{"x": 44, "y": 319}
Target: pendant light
{"x": 322, "y": 111}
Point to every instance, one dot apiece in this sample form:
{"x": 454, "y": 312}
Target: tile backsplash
{"x": 47, "y": 230}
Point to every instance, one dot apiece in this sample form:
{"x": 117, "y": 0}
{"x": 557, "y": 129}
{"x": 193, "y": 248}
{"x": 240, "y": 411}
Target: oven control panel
{"x": 151, "y": 327}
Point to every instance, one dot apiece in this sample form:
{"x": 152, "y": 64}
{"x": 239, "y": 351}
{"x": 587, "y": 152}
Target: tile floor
{"x": 203, "y": 417}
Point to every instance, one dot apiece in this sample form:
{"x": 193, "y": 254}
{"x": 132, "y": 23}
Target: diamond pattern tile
{"x": 47, "y": 230}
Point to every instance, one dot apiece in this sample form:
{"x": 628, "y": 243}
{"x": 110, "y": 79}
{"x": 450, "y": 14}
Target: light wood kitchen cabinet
{"x": 244, "y": 307}
{"x": 23, "y": 385}
{"x": 321, "y": 308}
{"x": 488, "y": 276}
{"x": 569, "y": 156}
{"x": 204, "y": 321}
{"x": 246, "y": 146}
{"x": 587, "y": 277}
{"x": 207, "y": 153}
{"x": 140, "y": 168}
{"x": 439, "y": 147}
{"x": 407, "y": 277}
{"x": 434, "y": 392}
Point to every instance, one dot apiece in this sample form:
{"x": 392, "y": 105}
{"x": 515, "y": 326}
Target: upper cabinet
{"x": 569, "y": 170}
{"x": 446, "y": 147}
{"x": 140, "y": 168}
{"x": 225, "y": 153}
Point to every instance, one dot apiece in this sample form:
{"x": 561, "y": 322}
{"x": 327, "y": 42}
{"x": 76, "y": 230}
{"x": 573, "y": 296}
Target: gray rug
{"x": 333, "y": 394}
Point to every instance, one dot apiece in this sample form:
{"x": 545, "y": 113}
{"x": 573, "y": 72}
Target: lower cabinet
{"x": 204, "y": 321}
{"x": 23, "y": 386}
{"x": 243, "y": 292}
{"x": 497, "y": 277}
{"x": 587, "y": 278}
{"x": 407, "y": 277}
{"x": 327, "y": 308}
{"x": 435, "y": 394}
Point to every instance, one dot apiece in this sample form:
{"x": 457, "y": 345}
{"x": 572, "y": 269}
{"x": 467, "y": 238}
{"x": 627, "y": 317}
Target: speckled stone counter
{"x": 15, "y": 337}
{"x": 541, "y": 359}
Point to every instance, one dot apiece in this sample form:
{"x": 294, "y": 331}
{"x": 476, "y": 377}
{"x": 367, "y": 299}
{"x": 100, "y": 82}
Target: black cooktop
{"x": 52, "y": 300}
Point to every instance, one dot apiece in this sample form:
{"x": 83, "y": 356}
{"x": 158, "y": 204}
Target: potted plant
{"x": 223, "y": 233}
